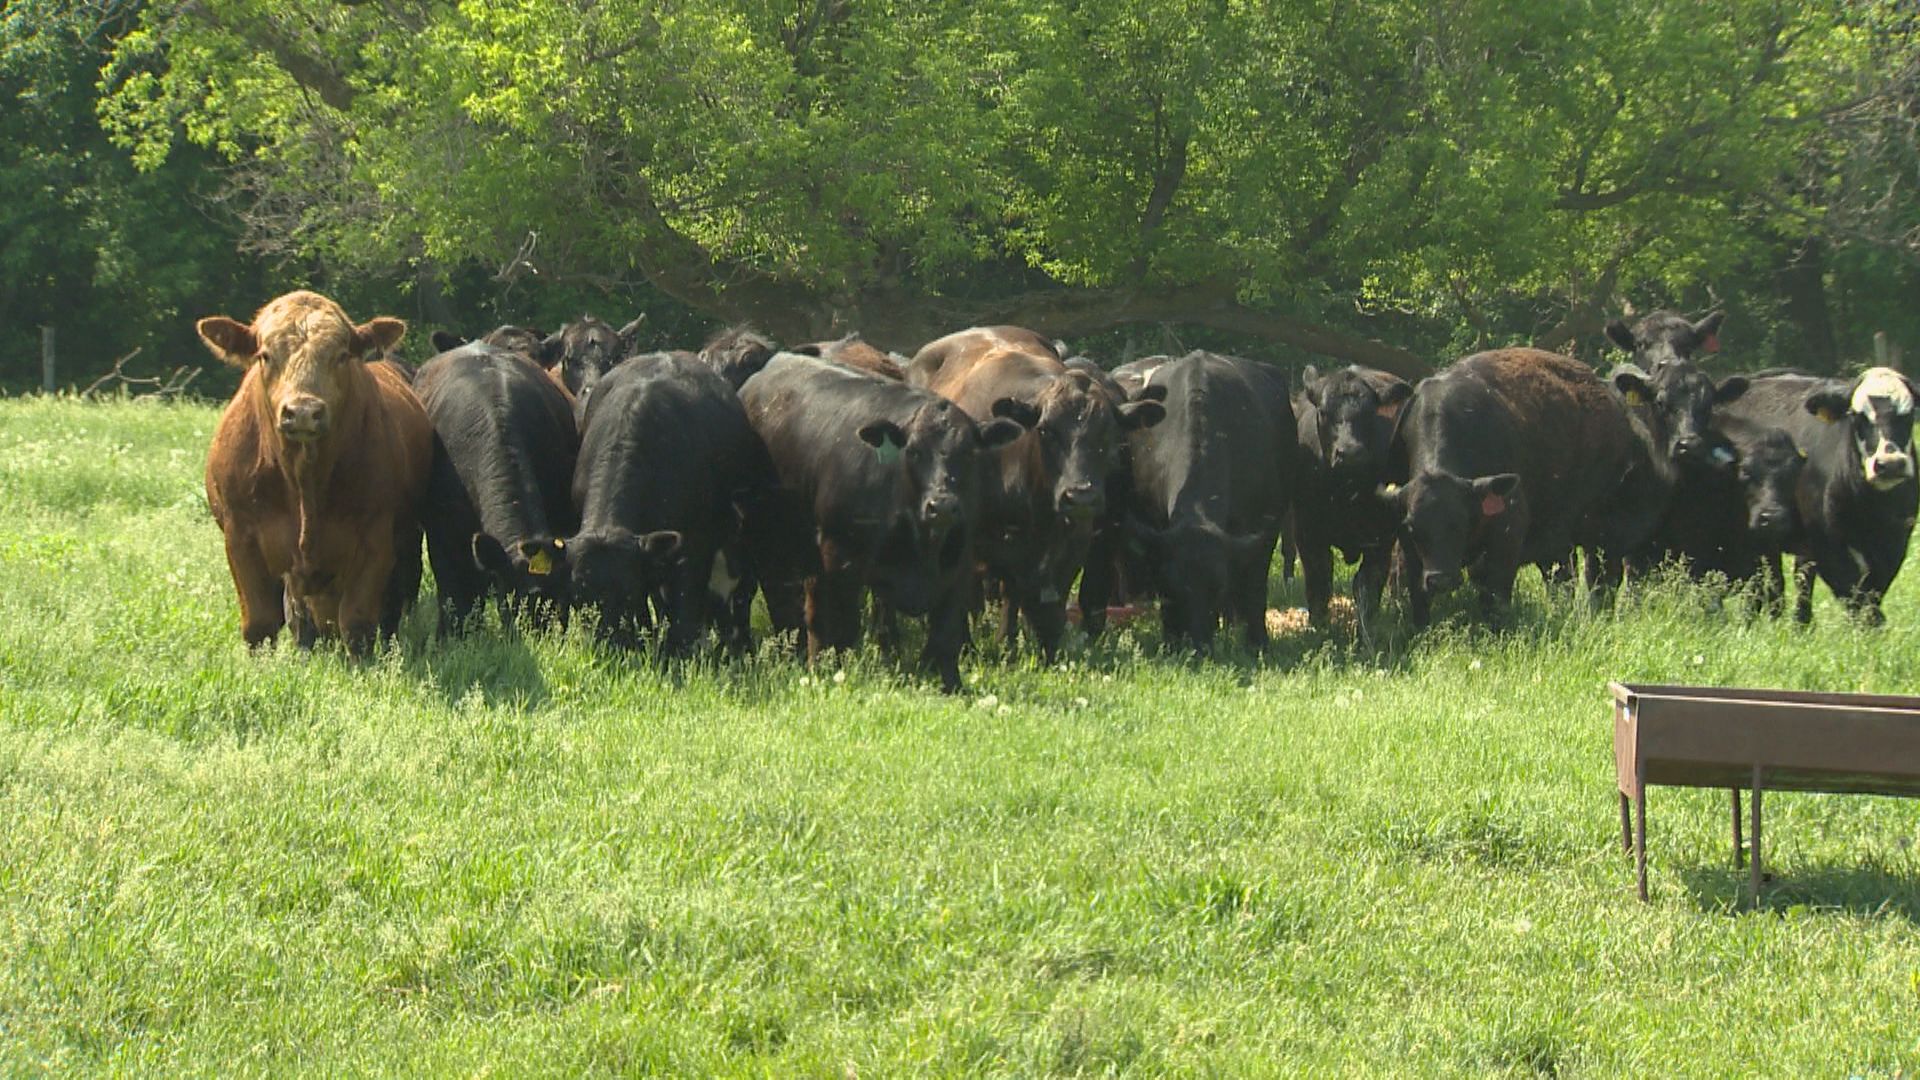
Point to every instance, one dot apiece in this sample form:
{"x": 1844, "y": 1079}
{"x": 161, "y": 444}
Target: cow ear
{"x": 1140, "y": 415}
{"x": 1310, "y": 384}
{"x": 1729, "y": 389}
{"x": 632, "y": 330}
{"x": 489, "y": 556}
{"x": 1393, "y": 394}
{"x": 1393, "y": 497}
{"x": 813, "y": 350}
{"x": 552, "y": 348}
{"x": 446, "y": 341}
{"x": 1828, "y": 404}
{"x": 229, "y": 341}
{"x": 1494, "y": 491}
{"x": 1620, "y": 335}
{"x": 1706, "y": 332}
{"x": 375, "y": 336}
{"x": 1632, "y": 384}
{"x": 1000, "y": 431}
{"x": 1024, "y": 413}
{"x": 1149, "y": 393}
{"x": 664, "y": 544}
{"x": 882, "y": 433}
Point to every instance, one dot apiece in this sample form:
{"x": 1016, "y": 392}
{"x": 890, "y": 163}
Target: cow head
{"x": 737, "y": 353}
{"x": 936, "y": 456}
{"x": 1677, "y": 402}
{"x": 1769, "y": 472}
{"x": 1878, "y": 409}
{"x": 1355, "y": 410}
{"x": 535, "y": 569}
{"x": 1664, "y": 338}
{"x": 524, "y": 340}
{"x": 308, "y": 357}
{"x": 1193, "y": 563}
{"x": 1441, "y": 515}
{"x": 614, "y": 572}
{"x": 585, "y": 350}
{"x": 1077, "y": 430}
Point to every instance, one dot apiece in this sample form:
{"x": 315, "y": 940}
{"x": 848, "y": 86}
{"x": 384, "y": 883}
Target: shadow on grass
{"x": 1871, "y": 889}
{"x": 499, "y": 665}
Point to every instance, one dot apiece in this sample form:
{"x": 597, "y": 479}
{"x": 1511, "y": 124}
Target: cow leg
{"x": 1096, "y": 585}
{"x": 362, "y": 597}
{"x": 1047, "y": 618}
{"x": 1804, "y": 569}
{"x": 1368, "y": 582}
{"x": 403, "y": 581}
{"x": 301, "y": 619}
{"x": 1412, "y": 575}
{"x": 833, "y": 613}
{"x": 687, "y": 618}
{"x": 1316, "y": 574}
{"x": 1773, "y": 585}
{"x": 946, "y": 633}
{"x": 1249, "y": 596}
{"x": 262, "y": 595}
{"x": 459, "y": 585}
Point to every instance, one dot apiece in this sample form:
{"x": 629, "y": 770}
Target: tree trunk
{"x": 1800, "y": 278}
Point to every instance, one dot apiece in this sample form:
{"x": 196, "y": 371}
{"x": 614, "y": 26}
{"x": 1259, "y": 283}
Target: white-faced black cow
{"x": 1857, "y": 494}
{"x": 1346, "y": 419}
{"x": 667, "y": 461}
{"x": 1042, "y": 501}
{"x": 1516, "y": 456}
{"x": 498, "y": 499}
{"x": 879, "y": 489}
{"x": 1210, "y": 489}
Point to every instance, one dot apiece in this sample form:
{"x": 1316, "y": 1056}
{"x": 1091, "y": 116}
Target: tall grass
{"x": 524, "y": 856}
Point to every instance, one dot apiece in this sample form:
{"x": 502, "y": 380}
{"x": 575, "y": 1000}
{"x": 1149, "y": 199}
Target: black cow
{"x": 1664, "y": 337}
{"x": 1346, "y": 420}
{"x": 1102, "y": 579}
{"x": 1857, "y": 494}
{"x": 1043, "y": 500}
{"x": 667, "y": 464}
{"x": 1517, "y": 456}
{"x": 879, "y": 490}
{"x": 737, "y": 352}
{"x": 1210, "y": 489}
{"x": 497, "y": 499}
{"x": 583, "y": 351}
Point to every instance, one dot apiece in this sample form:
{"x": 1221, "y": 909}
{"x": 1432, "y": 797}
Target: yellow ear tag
{"x": 1803, "y": 454}
{"x": 541, "y": 564}
{"x": 1634, "y": 397}
{"x": 1827, "y": 415}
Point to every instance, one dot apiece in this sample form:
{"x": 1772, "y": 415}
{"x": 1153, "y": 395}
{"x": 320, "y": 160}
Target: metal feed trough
{"x": 1774, "y": 740}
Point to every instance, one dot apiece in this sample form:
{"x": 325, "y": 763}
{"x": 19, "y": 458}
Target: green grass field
{"x": 527, "y": 857}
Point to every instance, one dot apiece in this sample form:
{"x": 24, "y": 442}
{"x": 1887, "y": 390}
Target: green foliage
{"x": 113, "y": 257}
{"x": 525, "y": 856}
{"x": 1479, "y": 167}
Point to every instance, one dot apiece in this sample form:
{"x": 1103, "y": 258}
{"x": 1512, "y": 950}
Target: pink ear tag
{"x": 1492, "y": 505}
{"x": 1712, "y": 344}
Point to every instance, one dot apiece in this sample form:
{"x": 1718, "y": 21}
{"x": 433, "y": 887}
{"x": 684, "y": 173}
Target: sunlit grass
{"x": 526, "y": 856}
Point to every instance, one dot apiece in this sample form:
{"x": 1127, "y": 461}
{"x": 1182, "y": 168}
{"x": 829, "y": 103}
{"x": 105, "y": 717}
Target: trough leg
{"x": 1626, "y": 823}
{"x": 1753, "y": 865}
{"x": 1640, "y": 827}
{"x": 1739, "y": 856}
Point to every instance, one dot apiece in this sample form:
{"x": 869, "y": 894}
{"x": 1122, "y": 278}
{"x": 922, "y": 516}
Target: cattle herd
{"x": 662, "y": 491}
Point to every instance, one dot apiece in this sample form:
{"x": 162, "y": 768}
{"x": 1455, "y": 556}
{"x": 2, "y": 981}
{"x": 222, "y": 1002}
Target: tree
{"x": 1315, "y": 175}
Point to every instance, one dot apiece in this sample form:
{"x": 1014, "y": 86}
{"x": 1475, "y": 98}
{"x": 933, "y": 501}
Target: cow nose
{"x": 1080, "y": 500}
{"x": 1768, "y": 521}
{"x": 939, "y": 509}
{"x": 303, "y": 418}
{"x": 1688, "y": 447}
{"x": 1441, "y": 581}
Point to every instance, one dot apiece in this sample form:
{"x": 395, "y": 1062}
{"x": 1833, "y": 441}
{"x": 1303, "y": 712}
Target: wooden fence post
{"x": 46, "y": 359}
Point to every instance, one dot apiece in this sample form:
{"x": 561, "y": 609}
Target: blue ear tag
{"x": 1723, "y": 455}
{"x": 886, "y": 453}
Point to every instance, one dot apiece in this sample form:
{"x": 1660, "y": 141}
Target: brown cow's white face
{"x": 307, "y": 352}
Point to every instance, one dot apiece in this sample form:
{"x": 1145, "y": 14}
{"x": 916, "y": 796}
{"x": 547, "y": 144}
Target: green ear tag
{"x": 541, "y": 564}
{"x": 887, "y": 453}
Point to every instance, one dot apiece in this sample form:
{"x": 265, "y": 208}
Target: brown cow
{"x": 856, "y": 352}
{"x": 316, "y": 470}
{"x": 1047, "y": 492}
